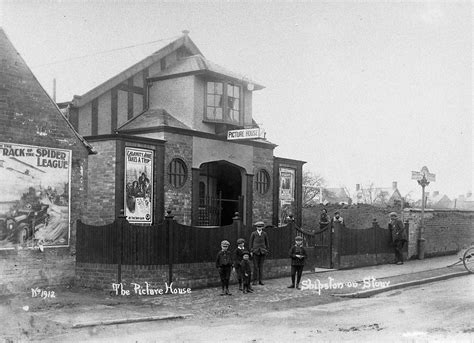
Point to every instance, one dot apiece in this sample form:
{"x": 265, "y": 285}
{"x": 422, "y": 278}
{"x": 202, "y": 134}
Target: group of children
{"x": 239, "y": 260}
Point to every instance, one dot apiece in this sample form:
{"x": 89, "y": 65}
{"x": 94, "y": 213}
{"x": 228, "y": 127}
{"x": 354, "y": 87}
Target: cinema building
{"x": 166, "y": 133}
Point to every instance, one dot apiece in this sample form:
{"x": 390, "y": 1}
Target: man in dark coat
{"x": 399, "y": 236}
{"x": 259, "y": 248}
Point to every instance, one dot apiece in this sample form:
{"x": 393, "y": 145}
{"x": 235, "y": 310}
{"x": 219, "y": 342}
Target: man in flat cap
{"x": 399, "y": 236}
{"x": 259, "y": 247}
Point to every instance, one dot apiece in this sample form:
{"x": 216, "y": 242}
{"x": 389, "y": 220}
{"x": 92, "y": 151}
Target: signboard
{"x": 34, "y": 196}
{"x": 244, "y": 134}
{"x": 139, "y": 185}
{"x": 286, "y": 194}
{"x": 415, "y": 175}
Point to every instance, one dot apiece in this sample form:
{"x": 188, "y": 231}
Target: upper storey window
{"x": 223, "y": 102}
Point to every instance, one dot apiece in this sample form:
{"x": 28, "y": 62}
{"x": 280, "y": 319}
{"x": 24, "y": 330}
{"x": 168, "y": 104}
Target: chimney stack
{"x": 394, "y": 185}
{"x": 357, "y": 187}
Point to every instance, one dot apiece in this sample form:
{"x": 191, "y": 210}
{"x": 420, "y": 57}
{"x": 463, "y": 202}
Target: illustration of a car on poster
{"x": 20, "y": 225}
{"x": 34, "y": 196}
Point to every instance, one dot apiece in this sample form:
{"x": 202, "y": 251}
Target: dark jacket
{"x": 238, "y": 256}
{"x": 323, "y": 220}
{"x": 296, "y": 250}
{"x": 259, "y": 243}
{"x": 398, "y": 230}
{"x": 245, "y": 267}
{"x": 224, "y": 258}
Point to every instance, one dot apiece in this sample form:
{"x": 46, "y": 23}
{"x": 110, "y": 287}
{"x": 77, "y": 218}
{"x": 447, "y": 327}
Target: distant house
{"x": 335, "y": 196}
{"x": 464, "y": 202}
{"x": 377, "y": 196}
{"x": 437, "y": 200}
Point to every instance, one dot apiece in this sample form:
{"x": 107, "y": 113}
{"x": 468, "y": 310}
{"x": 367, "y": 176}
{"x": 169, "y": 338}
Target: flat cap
{"x": 260, "y": 223}
{"x": 240, "y": 240}
{"x": 225, "y": 243}
{"x": 298, "y": 238}
{"x": 393, "y": 214}
{"x": 246, "y": 253}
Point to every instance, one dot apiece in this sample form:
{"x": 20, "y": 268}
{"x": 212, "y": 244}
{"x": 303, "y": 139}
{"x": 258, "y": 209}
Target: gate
{"x": 318, "y": 245}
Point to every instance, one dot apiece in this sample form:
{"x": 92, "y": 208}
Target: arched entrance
{"x": 220, "y": 193}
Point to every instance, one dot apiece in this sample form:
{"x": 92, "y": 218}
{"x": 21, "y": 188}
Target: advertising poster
{"x": 138, "y": 185}
{"x": 34, "y": 196}
{"x": 286, "y": 194}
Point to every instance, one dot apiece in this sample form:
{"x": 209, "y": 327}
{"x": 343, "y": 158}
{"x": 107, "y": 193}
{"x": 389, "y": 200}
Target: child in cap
{"x": 246, "y": 271}
{"x": 238, "y": 254}
{"x": 224, "y": 265}
{"x": 298, "y": 256}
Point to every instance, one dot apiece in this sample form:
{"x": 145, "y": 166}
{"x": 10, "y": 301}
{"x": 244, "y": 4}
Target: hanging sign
{"x": 245, "y": 134}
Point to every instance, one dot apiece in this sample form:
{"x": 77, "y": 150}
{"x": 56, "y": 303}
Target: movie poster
{"x": 138, "y": 185}
{"x": 34, "y": 196}
{"x": 286, "y": 194}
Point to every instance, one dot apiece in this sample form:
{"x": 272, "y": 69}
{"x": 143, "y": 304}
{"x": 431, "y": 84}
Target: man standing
{"x": 259, "y": 248}
{"x": 399, "y": 236}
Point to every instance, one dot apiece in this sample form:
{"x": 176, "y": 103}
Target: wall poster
{"x": 138, "y": 185}
{"x": 286, "y": 194}
{"x": 34, "y": 196}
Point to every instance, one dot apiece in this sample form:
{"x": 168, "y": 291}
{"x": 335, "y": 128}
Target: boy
{"x": 238, "y": 254}
{"x": 298, "y": 255}
{"x": 224, "y": 265}
{"x": 246, "y": 271}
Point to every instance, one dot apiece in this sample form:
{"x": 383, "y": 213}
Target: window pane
{"x": 218, "y": 113}
{"x": 210, "y": 87}
{"x": 219, "y": 88}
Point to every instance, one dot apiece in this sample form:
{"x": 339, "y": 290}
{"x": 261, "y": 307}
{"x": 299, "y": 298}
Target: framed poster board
{"x": 139, "y": 185}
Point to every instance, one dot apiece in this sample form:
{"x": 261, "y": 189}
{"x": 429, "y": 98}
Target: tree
{"x": 312, "y": 184}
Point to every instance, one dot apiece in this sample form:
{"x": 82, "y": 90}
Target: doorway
{"x": 220, "y": 193}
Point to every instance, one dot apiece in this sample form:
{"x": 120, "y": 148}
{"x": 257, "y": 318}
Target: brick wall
{"x": 263, "y": 203}
{"x": 179, "y": 200}
{"x": 100, "y": 208}
{"x": 29, "y": 116}
{"x": 192, "y": 275}
{"x": 446, "y": 231}
{"x": 358, "y": 216}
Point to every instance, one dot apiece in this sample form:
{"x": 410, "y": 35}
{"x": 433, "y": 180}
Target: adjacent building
{"x": 43, "y": 181}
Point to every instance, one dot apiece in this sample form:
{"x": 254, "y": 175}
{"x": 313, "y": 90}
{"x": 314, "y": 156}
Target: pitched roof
{"x": 155, "y": 117}
{"x": 198, "y": 64}
{"x": 335, "y": 195}
{"x": 184, "y": 40}
{"x": 24, "y": 95}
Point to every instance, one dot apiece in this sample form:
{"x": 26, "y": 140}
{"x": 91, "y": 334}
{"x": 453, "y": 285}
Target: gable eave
{"x": 79, "y": 101}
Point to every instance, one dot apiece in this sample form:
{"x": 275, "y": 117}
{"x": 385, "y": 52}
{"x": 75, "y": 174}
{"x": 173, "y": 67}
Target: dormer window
{"x": 223, "y": 102}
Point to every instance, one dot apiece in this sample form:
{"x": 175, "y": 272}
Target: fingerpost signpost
{"x": 424, "y": 177}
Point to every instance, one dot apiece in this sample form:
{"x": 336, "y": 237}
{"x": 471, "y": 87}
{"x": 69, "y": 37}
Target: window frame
{"x": 226, "y": 110}
{"x": 174, "y": 176}
{"x": 262, "y": 187}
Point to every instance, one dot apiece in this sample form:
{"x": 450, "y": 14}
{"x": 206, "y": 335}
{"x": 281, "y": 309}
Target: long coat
{"x": 398, "y": 231}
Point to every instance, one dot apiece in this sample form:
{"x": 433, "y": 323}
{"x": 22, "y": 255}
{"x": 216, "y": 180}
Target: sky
{"x": 364, "y": 92}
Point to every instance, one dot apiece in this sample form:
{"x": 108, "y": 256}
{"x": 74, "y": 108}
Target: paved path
{"x": 35, "y": 317}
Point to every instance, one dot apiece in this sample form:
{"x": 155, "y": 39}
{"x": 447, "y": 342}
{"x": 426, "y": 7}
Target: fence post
{"x": 375, "y": 226}
{"x": 237, "y": 224}
{"x": 336, "y": 246}
{"x": 169, "y": 232}
{"x": 119, "y": 224}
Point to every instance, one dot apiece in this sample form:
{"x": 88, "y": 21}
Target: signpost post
{"x": 424, "y": 177}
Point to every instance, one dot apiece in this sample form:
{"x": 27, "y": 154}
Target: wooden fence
{"x": 168, "y": 242}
